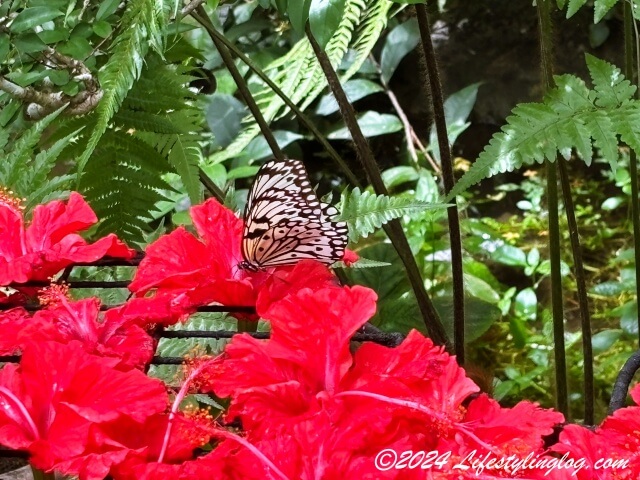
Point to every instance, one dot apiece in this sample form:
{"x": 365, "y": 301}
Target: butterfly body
{"x": 285, "y": 222}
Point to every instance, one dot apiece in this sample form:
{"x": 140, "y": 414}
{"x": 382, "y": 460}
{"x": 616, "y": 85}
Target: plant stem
{"x": 583, "y": 301}
{"x": 629, "y": 71}
{"x": 210, "y": 185}
{"x": 201, "y": 16}
{"x": 393, "y": 228}
{"x": 306, "y": 121}
{"x": 448, "y": 178}
{"x": 546, "y": 58}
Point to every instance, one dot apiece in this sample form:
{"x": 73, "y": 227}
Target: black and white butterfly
{"x": 286, "y": 222}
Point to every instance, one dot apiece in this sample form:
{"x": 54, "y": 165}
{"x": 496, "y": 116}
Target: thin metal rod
{"x": 437, "y": 100}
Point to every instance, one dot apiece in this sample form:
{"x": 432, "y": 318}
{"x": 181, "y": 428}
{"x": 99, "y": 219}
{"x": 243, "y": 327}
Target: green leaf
{"x": 571, "y": 116}
{"x": 141, "y": 25}
{"x": 281, "y": 5}
{"x": 400, "y": 41}
{"x": 355, "y": 90}
{"x": 480, "y": 289}
{"x": 601, "y": 9}
{"x": 598, "y": 34}
{"x": 324, "y": 19}
{"x": 518, "y": 329}
{"x": 362, "y": 263}
{"x": 5, "y": 45}
{"x": 526, "y": 304}
{"x": 28, "y": 43}
{"x": 394, "y": 176}
{"x": 224, "y": 115}
{"x": 604, "y": 340}
{"x": 574, "y": 6}
{"x": 185, "y": 157}
{"x": 409, "y": 2}
{"x": 457, "y": 109}
{"x": 478, "y": 319}
{"x": 242, "y": 172}
{"x": 259, "y": 149}
{"x": 629, "y": 318}
{"x": 610, "y": 289}
{"x": 510, "y": 255}
{"x": 107, "y": 7}
{"x": 365, "y": 212}
{"x": 612, "y": 203}
{"x": 54, "y": 36}
{"x": 372, "y": 124}
{"x": 299, "y": 75}
{"x": 298, "y": 11}
{"x": 33, "y": 17}
{"x": 102, "y": 28}
{"x": 611, "y": 87}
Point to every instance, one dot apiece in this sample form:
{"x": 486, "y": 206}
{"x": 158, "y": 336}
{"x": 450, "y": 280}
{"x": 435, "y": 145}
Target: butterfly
{"x": 286, "y": 222}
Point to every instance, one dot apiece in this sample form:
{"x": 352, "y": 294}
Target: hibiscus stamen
{"x": 184, "y": 389}
{"x": 13, "y": 407}
{"x": 8, "y": 198}
{"x": 440, "y": 417}
{"x": 55, "y": 295}
{"x": 253, "y": 449}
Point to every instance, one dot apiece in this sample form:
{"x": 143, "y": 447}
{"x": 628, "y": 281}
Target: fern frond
{"x": 362, "y": 263}
{"x": 30, "y": 176}
{"x": 140, "y": 27}
{"x": 368, "y": 32}
{"x": 16, "y": 160}
{"x": 134, "y": 172}
{"x": 365, "y": 212}
{"x": 145, "y": 121}
{"x": 570, "y": 116}
{"x": 123, "y": 180}
{"x": 298, "y": 73}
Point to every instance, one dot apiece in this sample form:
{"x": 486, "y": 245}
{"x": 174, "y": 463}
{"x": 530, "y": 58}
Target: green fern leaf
{"x": 16, "y": 160}
{"x": 140, "y": 27}
{"x": 185, "y": 158}
{"x": 365, "y": 212}
{"x": 298, "y": 73}
{"x": 574, "y": 6}
{"x": 571, "y": 116}
{"x": 145, "y": 121}
{"x": 362, "y": 263}
{"x": 611, "y": 87}
{"x": 134, "y": 183}
{"x": 30, "y": 176}
{"x": 601, "y": 9}
{"x": 625, "y": 122}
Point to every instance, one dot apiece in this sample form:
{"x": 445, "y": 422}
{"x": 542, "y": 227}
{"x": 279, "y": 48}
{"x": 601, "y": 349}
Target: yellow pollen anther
{"x": 51, "y": 296}
{"x": 9, "y": 198}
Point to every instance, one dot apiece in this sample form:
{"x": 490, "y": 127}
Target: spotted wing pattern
{"x": 285, "y": 221}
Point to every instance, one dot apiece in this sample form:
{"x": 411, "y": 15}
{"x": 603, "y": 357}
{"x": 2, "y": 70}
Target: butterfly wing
{"x": 285, "y": 221}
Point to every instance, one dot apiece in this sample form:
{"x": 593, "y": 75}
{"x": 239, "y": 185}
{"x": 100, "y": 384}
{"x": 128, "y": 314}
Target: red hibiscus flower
{"x": 616, "y": 440}
{"x": 59, "y": 392}
{"x": 50, "y": 242}
{"x": 19, "y": 328}
{"x": 164, "y": 447}
{"x": 308, "y": 353}
{"x": 65, "y": 320}
{"x": 186, "y": 271}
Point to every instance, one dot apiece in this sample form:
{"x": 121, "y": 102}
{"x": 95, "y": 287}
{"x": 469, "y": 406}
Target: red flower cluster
{"x": 50, "y": 242}
{"x": 303, "y": 405}
{"x": 65, "y": 320}
{"x": 611, "y": 451}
